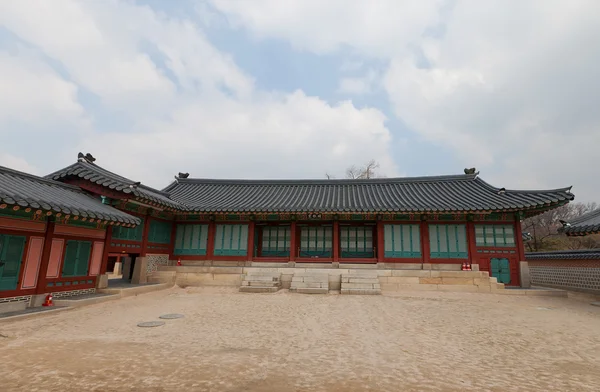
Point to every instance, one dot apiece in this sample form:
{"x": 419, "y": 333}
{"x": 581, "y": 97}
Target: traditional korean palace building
{"x": 584, "y": 225}
{"x": 59, "y": 234}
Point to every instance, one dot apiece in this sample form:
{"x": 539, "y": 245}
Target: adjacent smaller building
{"x": 584, "y": 225}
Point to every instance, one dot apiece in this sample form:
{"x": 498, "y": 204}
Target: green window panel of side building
{"x": 402, "y": 241}
{"x": 316, "y": 241}
{"x": 159, "y": 232}
{"x": 127, "y": 233}
{"x": 448, "y": 241}
{"x": 356, "y": 241}
{"x": 495, "y": 235}
{"x": 191, "y": 240}
{"x": 231, "y": 240}
{"x": 11, "y": 256}
{"x": 76, "y": 259}
{"x": 275, "y": 241}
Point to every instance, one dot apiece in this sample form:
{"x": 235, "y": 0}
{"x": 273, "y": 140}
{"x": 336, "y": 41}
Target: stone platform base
{"x": 360, "y": 282}
{"x": 310, "y": 282}
{"x": 389, "y": 279}
{"x": 258, "y": 281}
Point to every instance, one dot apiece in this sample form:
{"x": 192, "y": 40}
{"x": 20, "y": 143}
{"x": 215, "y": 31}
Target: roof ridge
{"x": 586, "y": 216}
{"x": 322, "y": 181}
{"x": 48, "y": 181}
{"x": 566, "y": 189}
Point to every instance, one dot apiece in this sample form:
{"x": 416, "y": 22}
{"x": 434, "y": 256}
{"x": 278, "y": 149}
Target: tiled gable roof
{"x": 586, "y": 224}
{"x": 458, "y": 193}
{"x": 100, "y": 176}
{"x": 26, "y": 190}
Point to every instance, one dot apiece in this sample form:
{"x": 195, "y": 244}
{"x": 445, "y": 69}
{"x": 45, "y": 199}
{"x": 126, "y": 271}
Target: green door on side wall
{"x": 500, "y": 269}
{"x": 11, "y": 255}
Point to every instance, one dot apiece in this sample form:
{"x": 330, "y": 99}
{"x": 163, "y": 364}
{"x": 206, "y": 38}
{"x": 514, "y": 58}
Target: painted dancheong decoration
{"x": 88, "y": 220}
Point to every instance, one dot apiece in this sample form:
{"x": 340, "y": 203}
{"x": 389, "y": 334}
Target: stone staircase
{"x": 310, "y": 282}
{"x": 261, "y": 282}
{"x": 361, "y": 282}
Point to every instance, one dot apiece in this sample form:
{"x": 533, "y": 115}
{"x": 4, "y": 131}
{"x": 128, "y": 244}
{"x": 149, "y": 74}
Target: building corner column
{"x": 380, "y": 248}
{"x": 473, "y": 256}
{"x": 251, "y": 234}
{"x": 40, "y": 287}
{"x": 293, "y": 244}
{"x": 336, "y": 241}
{"x": 210, "y": 246}
{"x": 425, "y": 250}
{"x": 145, "y": 235}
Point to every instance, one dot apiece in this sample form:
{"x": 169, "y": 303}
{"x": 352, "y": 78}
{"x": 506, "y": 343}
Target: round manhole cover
{"x": 171, "y": 316}
{"x": 151, "y": 324}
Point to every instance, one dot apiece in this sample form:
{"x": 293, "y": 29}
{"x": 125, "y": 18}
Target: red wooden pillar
{"x": 293, "y": 241}
{"x": 519, "y": 240}
{"x": 473, "y": 257}
{"x": 107, "y": 240}
{"x": 40, "y": 287}
{"x": 145, "y": 235}
{"x": 210, "y": 247}
{"x": 425, "y": 243}
{"x": 380, "y": 242}
{"x": 251, "y": 233}
{"x": 336, "y": 241}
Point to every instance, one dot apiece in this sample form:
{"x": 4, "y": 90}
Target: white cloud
{"x": 18, "y": 163}
{"x": 360, "y": 85}
{"x": 510, "y": 87}
{"x": 188, "y": 106}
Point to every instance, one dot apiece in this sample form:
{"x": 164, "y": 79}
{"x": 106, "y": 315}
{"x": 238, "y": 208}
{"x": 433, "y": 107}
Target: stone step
{"x": 369, "y": 275}
{"x": 311, "y": 290}
{"x": 324, "y": 278}
{"x": 361, "y": 291}
{"x": 297, "y": 285}
{"x": 366, "y": 286}
{"x": 262, "y": 278}
{"x": 258, "y": 289}
{"x": 261, "y": 284}
{"x": 360, "y": 280}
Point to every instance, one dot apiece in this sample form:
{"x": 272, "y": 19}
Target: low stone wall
{"x": 390, "y": 279}
{"x": 573, "y": 270}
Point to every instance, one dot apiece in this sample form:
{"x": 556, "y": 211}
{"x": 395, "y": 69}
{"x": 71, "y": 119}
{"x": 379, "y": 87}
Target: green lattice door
{"x": 500, "y": 269}
{"x": 11, "y": 255}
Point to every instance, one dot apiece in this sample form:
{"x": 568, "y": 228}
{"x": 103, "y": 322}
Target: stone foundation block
{"x": 361, "y": 291}
{"x": 310, "y": 290}
{"x": 403, "y": 280}
{"x": 430, "y": 280}
{"x": 412, "y": 273}
{"x": 361, "y": 286}
{"x": 417, "y": 287}
{"x": 457, "y": 281}
{"x": 460, "y": 288}
{"x": 389, "y": 286}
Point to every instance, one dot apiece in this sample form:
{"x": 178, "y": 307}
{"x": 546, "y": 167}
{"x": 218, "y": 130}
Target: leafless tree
{"x": 544, "y": 229}
{"x": 369, "y": 170}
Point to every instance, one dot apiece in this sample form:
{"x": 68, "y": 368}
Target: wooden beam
{"x": 40, "y": 287}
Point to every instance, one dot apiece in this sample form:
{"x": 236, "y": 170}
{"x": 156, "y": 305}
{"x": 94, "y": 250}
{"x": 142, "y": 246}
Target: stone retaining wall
{"x": 390, "y": 279}
{"x": 567, "y": 274}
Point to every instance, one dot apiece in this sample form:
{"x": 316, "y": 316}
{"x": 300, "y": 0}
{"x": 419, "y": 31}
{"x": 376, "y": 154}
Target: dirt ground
{"x": 230, "y": 341}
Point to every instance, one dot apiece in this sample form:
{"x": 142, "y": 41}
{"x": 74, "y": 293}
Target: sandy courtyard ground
{"x": 230, "y": 341}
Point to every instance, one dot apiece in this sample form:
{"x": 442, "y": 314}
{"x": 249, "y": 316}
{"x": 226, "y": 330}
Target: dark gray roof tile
{"x": 459, "y": 193}
{"x": 586, "y": 224}
{"x": 585, "y": 254}
{"x": 26, "y": 190}
{"x": 98, "y": 175}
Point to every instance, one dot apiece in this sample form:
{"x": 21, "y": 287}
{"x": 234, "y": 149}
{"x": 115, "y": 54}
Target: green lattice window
{"x": 495, "y": 235}
{"x": 159, "y": 232}
{"x": 356, "y": 241}
{"x": 77, "y": 258}
{"x": 275, "y": 241}
{"x": 191, "y": 240}
{"x": 231, "y": 240}
{"x": 448, "y": 241}
{"x": 402, "y": 241}
{"x": 11, "y": 256}
{"x": 316, "y": 241}
{"x": 128, "y": 233}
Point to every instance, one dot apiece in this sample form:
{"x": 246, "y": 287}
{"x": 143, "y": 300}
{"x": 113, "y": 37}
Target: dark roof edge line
{"x": 322, "y": 181}
{"x": 566, "y": 189}
{"x": 40, "y": 179}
